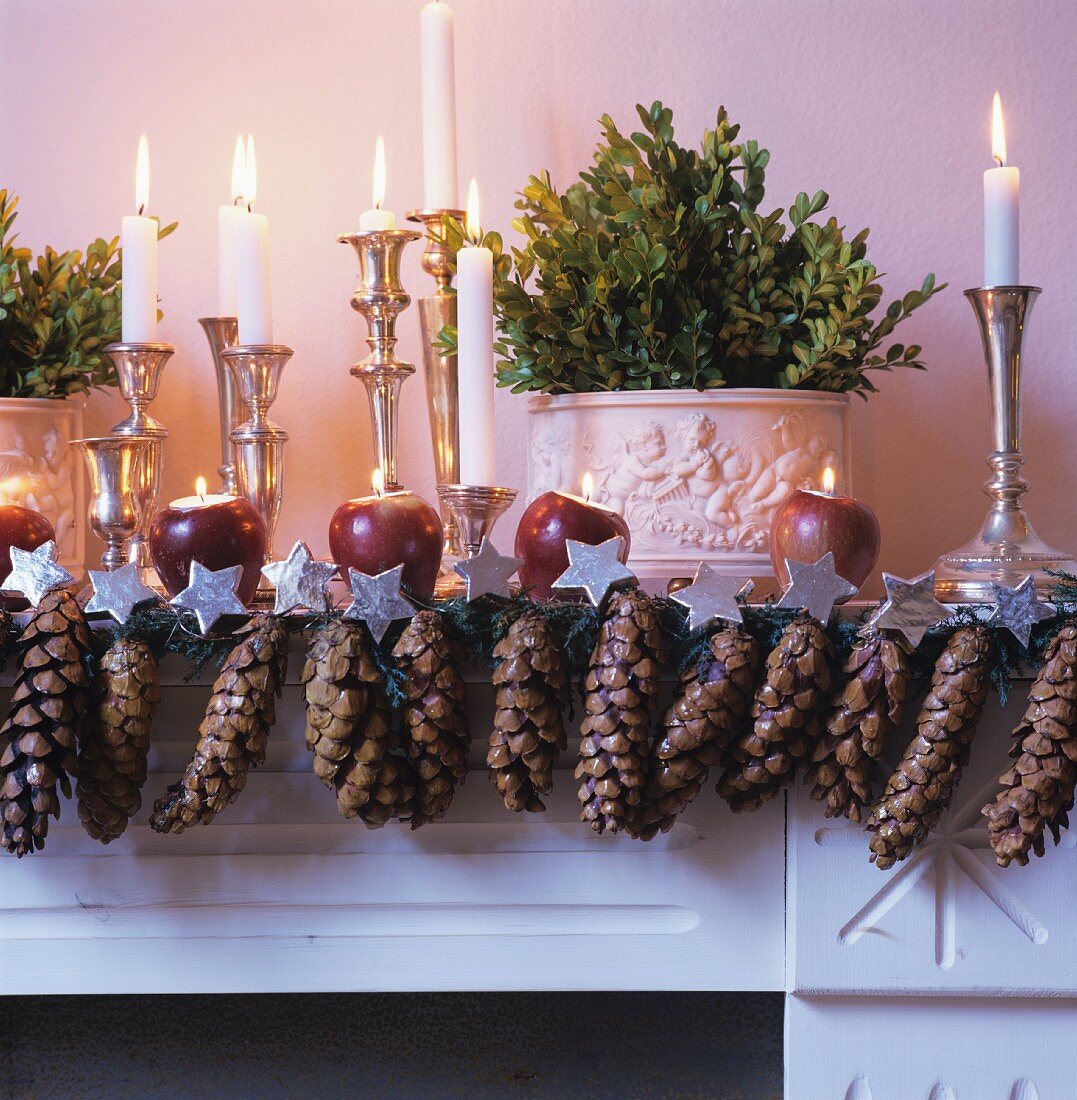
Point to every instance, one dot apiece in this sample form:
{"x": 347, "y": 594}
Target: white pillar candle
{"x": 138, "y": 239}
{"x": 475, "y": 352}
{"x": 226, "y": 236}
{"x": 439, "y": 106}
{"x": 254, "y": 305}
{"x": 375, "y": 217}
{"x": 1002, "y": 194}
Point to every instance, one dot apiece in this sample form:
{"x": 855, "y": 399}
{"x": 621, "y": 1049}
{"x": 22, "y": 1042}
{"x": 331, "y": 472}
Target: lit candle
{"x": 226, "y": 235}
{"x": 475, "y": 351}
{"x": 375, "y": 217}
{"x": 254, "y": 305}
{"x": 138, "y": 239}
{"x": 439, "y": 106}
{"x": 1002, "y": 202}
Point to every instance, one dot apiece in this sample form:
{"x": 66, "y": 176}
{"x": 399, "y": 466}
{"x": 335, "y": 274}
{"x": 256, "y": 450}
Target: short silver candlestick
{"x": 381, "y": 298}
{"x": 113, "y": 464}
{"x": 476, "y": 509}
{"x": 1007, "y": 548}
{"x": 222, "y": 333}
{"x": 138, "y": 368}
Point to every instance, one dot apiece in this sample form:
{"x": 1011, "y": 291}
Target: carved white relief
{"x": 860, "y": 1089}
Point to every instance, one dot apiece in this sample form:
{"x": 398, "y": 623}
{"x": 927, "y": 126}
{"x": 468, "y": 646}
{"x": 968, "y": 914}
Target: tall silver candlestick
{"x": 1007, "y": 548}
{"x": 222, "y": 333}
{"x": 381, "y": 298}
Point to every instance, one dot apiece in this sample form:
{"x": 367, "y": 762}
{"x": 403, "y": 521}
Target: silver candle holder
{"x": 1007, "y": 548}
{"x": 436, "y": 312}
{"x": 381, "y": 298}
{"x": 113, "y": 463}
{"x": 222, "y": 333}
{"x": 258, "y": 443}
{"x": 138, "y": 368}
{"x": 476, "y": 509}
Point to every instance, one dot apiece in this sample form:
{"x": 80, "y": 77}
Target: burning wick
{"x": 200, "y": 489}
{"x": 588, "y": 486}
{"x": 377, "y": 482}
{"x": 828, "y": 481}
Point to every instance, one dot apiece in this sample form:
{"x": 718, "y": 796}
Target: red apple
{"x": 21, "y": 527}
{"x": 547, "y": 522}
{"x": 372, "y": 534}
{"x": 216, "y": 530}
{"x": 809, "y": 524}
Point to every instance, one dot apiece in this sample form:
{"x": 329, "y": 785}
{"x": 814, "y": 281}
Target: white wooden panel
{"x": 843, "y": 1048}
{"x": 946, "y": 920}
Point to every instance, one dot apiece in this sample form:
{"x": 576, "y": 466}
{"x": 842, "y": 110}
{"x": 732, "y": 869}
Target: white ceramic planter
{"x": 39, "y": 469}
{"x": 697, "y": 476}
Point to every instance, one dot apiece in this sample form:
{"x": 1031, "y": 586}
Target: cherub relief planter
{"x": 697, "y": 476}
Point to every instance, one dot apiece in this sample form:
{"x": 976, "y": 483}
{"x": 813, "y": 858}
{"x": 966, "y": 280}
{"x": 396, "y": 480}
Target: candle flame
{"x": 377, "y": 481}
{"x": 142, "y": 175}
{"x": 200, "y": 487}
{"x": 473, "y": 226}
{"x": 998, "y": 131}
{"x": 828, "y": 480}
{"x": 379, "y": 172}
{"x": 250, "y": 176}
{"x": 239, "y": 171}
{"x": 588, "y": 485}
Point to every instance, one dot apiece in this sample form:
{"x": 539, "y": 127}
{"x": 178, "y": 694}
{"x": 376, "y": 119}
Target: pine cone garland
{"x": 921, "y": 788}
{"x": 436, "y": 730}
{"x": 347, "y": 713}
{"x": 531, "y": 688}
{"x": 1038, "y": 789}
{"x": 116, "y": 739}
{"x": 620, "y": 689}
{"x": 698, "y": 726}
{"x": 864, "y": 709}
{"x": 46, "y": 711}
{"x": 233, "y": 734}
{"x": 785, "y": 717}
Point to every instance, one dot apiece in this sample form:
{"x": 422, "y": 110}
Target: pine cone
{"x": 531, "y": 684}
{"x": 1038, "y": 788}
{"x": 863, "y": 710}
{"x": 233, "y": 734}
{"x": 116, "y": 739}
{"x": 436, "y": 729}
{"x": 708, "y": 712}
{"x": 785, "y": 717}
{"x": 918, "y": 793}
{"x": 392, "y": 795}
{"x": 621, "y": 685}
{"x": 347, "y": 713}
{"x": 46, "y": 711}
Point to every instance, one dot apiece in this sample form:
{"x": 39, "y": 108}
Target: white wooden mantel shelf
{"x": 944, "y": 978}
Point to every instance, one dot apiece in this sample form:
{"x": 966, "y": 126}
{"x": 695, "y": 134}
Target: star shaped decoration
{"x": 1018, "y": 609}
{"x": 35, "y": 573}
{"x": 118, "y": 593}
{"x": 211, "y": 594}
{"x": 910, "y": 608}
{"x": 594, "y": 569}
{"x": 300, "y": 580}
{"x": 711, "y": 596}
{"x": 377, "y": 601}
{"x": 487, "y": 572}
{"x": 815, "y": 587}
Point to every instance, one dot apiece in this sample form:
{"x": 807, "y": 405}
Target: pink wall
{"x": 884, "y": 105}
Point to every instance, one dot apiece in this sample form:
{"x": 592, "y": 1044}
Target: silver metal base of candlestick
{"x": 222, "y": 333}
{"x": 1007, "y": 548}
{"x": 476, "y": 509}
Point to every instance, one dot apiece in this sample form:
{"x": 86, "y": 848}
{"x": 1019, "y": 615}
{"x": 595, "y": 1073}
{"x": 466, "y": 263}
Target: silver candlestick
{"x": 222, "y": 333}
{"x": 1007, "y": 549}
{"x": 113, "y": 463}
{"x": 258, "y": 442}
{"x": 138, "y": 368}
{"x": 380, "y": 298}
{"x": 476, "y": 508}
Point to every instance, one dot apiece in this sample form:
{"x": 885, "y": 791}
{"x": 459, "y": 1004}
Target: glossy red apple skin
{"x": 809, "y": 524}
{"x": 547, "y": 522}
{"x": 372, "y": 534}
{"x": 21, "y": 527}
{"x": 218, "y": 535}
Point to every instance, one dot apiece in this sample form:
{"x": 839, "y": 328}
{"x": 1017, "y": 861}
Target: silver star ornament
{"x": 300, "y": 580}
{"x": 487, "y": 572}
{"x": 594, "y": 569}
{"x": 815, "y": 587}
{"x": 118, "y": 593}
{"x": 910, "y": 608}
{"x": 211, "y": 594}
{"x": 377, "y": 601}
{"x": 35, "y": 573}
{"x": 1018, "y": 609}
{"x": 711, "y": 596}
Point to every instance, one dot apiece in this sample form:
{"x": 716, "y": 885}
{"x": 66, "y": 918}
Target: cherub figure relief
{"x": 643, "y": 464}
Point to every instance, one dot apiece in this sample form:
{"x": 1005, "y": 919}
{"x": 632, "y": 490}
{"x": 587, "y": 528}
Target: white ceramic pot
{"x": 39, "y": 469}
{"x": 697, "y": 476}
